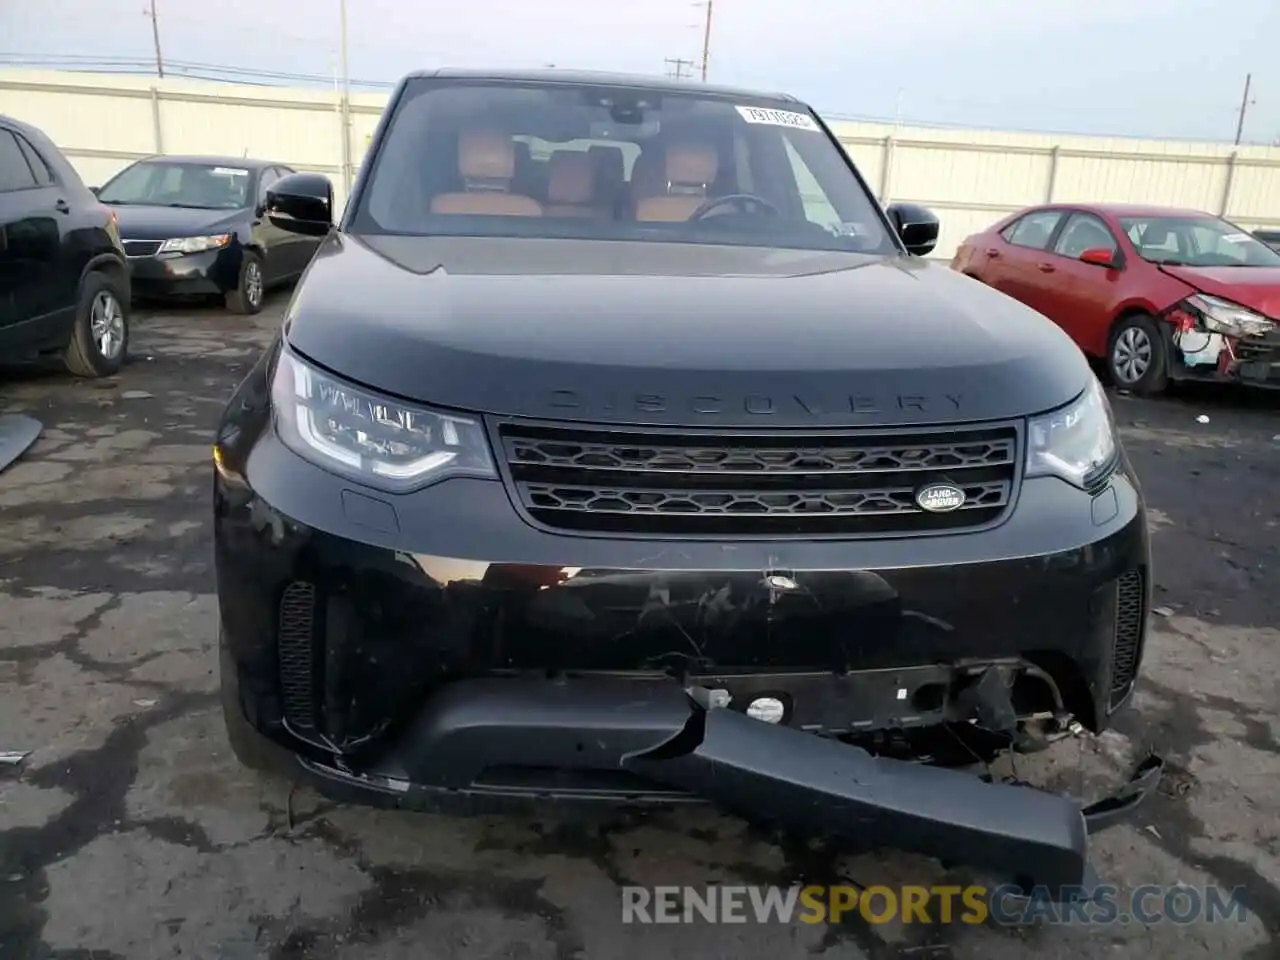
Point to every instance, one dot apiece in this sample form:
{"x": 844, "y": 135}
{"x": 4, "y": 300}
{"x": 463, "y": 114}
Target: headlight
{"x": 1223, "y": 316}
{"x": 371, "y": 438}
{"x": 1075, "y": 442}
{"x": 195, "y": 244}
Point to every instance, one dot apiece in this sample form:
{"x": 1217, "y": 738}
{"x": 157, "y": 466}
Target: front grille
{"x": 649, "y": 482}
{"x": 1130, "y": 616}
{"x": 141, "y": 248}
{"x": 295, "y": 639}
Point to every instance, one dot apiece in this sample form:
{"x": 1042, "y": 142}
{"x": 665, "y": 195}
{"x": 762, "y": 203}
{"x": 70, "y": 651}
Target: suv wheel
{"x": 100, "y": 337}
{"x": 246, "y": 298}
{"x": 1137, "y": 358}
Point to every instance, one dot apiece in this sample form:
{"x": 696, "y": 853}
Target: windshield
{"x": 470, "y": 158}
{"x": 1196, "y": 242}
{"x": 164, "y": 183}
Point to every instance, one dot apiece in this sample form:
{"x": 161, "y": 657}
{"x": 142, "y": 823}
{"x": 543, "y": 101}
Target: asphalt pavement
{"x": 130, "y": 832}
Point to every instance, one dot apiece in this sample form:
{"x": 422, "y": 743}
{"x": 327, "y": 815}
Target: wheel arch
{"x": 1134, "y": 309}
{"x": 112, "y": 266}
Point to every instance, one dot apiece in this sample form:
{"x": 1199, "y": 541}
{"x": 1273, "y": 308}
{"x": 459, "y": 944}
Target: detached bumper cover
{"x": 764, "y": 773}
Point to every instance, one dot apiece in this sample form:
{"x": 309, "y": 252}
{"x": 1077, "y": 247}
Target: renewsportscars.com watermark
{"x": 1004, "y": 906}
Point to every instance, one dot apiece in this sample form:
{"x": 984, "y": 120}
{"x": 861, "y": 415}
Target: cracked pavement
{"x": 130, "y": 831}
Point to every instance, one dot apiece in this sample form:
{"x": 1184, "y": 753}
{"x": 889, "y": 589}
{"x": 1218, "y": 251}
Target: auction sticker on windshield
{"x": 230, "y": 172}
{"x": 778, "y": 118}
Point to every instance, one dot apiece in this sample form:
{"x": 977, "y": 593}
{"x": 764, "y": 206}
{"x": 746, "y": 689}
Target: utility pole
{"x": 346, "y": 103}
{"x": 706, "y": 43}
{"x": 155, "y": 36}
{"x": 677, "y": 67}
{"x": 1245, "y": 103}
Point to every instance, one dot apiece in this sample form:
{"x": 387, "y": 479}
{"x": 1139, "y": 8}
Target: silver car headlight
{"x": 1076, "y": 442}
{"x": 1223, "y": 316}
{"x": 195, "y": 244}
{"x": 382, "y": 442}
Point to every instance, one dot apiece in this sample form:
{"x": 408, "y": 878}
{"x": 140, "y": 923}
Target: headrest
{"x": 1156, "y": 236}
{"x": 570, "y": 177}
{"x": 646, "y": 174}
{"x": 485, "y": 155}
{"x": 691, "y": 165}
{"x": 609, "y": 163}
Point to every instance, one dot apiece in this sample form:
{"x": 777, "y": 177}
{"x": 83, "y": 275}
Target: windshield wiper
{"x": 189, "y": 206}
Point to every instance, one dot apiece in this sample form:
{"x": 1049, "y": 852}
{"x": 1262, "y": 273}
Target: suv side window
{"x": 41, "y": 168}
{"x": 15, "y": 172}
{"x": 1033, "y": 230}
{"x": 1084, "y": 232}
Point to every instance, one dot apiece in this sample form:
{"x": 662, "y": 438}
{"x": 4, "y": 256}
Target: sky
{"x": 1172, "y": 69}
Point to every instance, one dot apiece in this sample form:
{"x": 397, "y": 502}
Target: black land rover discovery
{"x": 618, "y": 445}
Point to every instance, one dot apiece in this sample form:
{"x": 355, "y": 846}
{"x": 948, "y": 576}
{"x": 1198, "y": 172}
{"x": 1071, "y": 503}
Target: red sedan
{"x": 1158, "y": 293}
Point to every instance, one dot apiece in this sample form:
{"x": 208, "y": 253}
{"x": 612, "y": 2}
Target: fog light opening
{"x": 929, "y": 698}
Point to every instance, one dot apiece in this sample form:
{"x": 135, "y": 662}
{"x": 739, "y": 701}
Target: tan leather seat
{"x": 570, "y": 184}
{"x": 690, "y": 171}
{"x": 487, "y": 165}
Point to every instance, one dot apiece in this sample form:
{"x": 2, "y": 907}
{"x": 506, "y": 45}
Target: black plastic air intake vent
{"x": 1130, "y": 617}
{"x": 296, "y": 638}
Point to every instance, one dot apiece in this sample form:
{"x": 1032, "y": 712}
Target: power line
{"x": 135, "y": 66}
{"x": 225, "y": 73}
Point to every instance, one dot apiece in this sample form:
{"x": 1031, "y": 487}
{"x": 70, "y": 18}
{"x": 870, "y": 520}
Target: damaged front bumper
{"x": 490, "y": 740}
{"x": 1214, "y": 357}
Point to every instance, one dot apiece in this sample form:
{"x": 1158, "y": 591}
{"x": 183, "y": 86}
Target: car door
{"x": 30, "y": 236}
{"x": 1012, "y": 260}
{"x": 1081, "y": 297}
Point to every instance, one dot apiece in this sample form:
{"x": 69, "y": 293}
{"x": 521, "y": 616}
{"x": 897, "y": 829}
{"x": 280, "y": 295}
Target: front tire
{"x": 100, "y": 336}
{"x": 251, "y": 286}
{"x": 1138, "y": 355}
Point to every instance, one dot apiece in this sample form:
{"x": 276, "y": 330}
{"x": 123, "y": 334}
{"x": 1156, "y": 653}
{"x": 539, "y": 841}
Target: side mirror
{"x": 300, "y": 203}
{"x": 916, "y": 225}
{"x": 1099, "y": 257}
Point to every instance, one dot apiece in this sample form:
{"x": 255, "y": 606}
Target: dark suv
{"x": 64, "y": 287}
{"x": 617, "y": 445}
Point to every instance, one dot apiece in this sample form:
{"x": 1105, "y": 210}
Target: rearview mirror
{"x": 300, "y": 203}
{"x": 1099, "y": 257}
{"x": 916, "y": 225}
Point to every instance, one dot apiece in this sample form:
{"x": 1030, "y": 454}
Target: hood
{"x": 139, "y": 222}
{"x": 676, "y": 334}
{"x": 1257, "y": 288}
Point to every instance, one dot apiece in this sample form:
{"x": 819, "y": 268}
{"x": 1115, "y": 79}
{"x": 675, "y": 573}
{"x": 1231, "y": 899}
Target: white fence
{"x": 969, "y": 177}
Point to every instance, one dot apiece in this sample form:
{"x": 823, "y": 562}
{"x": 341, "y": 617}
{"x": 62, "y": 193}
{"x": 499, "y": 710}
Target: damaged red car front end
{"x": 1229, "y": 340}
